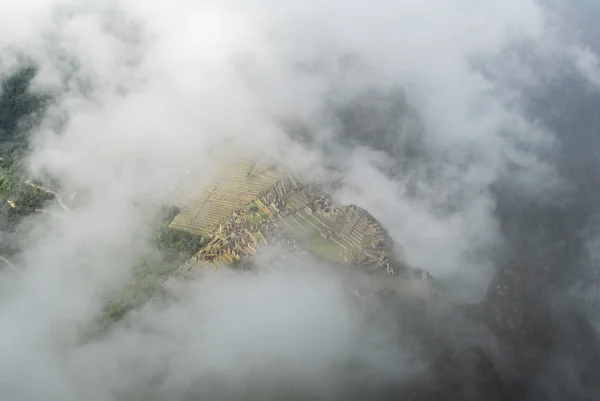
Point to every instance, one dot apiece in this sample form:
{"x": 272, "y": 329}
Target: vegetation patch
{"x": 170, "y": 249}
{"x": 21, "y": 110}
{"x": 180, "y": 241}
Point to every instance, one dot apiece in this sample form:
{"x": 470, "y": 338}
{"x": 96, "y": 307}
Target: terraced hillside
{"x": 237, "y": 182}
{"x": 250, "y": 205}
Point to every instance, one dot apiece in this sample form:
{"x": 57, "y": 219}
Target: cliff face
{"x": 380, "y": 119}
{"x": 530, "y": 345}
{"x": 384, "y": 121}
{"x": 523, "y": 342}
{"x": 555, "y": 349}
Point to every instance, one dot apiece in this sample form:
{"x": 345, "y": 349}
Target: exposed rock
{"x": 550, "y": 341}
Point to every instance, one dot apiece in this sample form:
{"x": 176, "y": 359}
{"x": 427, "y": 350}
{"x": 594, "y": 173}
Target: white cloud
{"x": 150, "y": 87}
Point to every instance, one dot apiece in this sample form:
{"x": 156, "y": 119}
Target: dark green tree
{"x": 21, "y": 110}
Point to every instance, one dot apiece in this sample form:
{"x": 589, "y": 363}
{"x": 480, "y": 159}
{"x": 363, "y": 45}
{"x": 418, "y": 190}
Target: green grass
{"x": 254, "y": 218}
{"x": 177, "y": 240}
{"x": 171, "y": 249}
{"x": 5, "y": 187}
{"x": 147, "y": 275}
{"x": 313, "y": 240}
{"x": 325, "y": 247}
{"x": 297, "y": 231}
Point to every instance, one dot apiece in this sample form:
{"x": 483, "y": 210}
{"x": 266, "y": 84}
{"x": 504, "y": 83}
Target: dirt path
{"x": 57, "y": 196}
{"x": 10, "y": 265}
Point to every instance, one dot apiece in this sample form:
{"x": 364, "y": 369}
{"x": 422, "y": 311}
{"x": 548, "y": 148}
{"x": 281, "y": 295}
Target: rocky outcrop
{"x": 524, "y": 342}
{"x": 555, "y": 348}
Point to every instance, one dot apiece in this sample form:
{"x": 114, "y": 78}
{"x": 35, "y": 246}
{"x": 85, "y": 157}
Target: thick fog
{"x": 468, "y": 128}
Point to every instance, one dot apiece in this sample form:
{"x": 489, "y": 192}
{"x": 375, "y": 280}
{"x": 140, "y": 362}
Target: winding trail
{"x": 57, "y": 196}
{"x": 60, "y": 202}
{"x": 10, "y": 265}
{"x": 48, "y": 212}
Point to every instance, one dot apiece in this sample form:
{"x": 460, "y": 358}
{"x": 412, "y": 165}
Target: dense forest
{"x": 22, "y": 109}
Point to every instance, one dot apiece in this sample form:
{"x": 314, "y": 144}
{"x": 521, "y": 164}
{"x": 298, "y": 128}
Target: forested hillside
{"x": 21, "y": 111}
